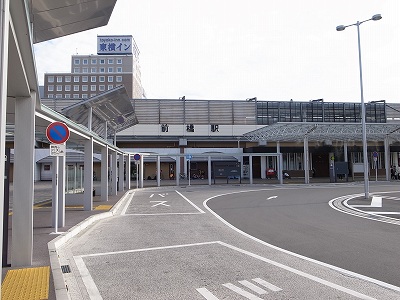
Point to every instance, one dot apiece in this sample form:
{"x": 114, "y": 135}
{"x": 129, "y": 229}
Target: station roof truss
{"x": 113, "y": 108}
{"x": 318, "y": 132}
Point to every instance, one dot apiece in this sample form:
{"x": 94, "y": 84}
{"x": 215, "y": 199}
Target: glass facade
{"x": 270, "y": 112}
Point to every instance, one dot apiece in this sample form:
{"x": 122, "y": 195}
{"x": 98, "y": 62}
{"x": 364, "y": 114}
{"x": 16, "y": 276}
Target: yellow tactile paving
{"x": 26, "y": 284}
{"x": 103, "y": 207}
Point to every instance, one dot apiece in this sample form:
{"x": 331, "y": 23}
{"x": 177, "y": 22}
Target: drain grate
{"x": 65, "y": 269}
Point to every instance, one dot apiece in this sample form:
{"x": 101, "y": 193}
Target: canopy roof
{"x": 293, "y": 131}
{"x": 113, "y": 108}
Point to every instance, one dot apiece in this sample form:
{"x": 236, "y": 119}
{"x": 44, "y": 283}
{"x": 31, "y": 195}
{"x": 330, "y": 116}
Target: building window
{"x": 67, "y": 96}
{"x": 93, "y": 70}
{"x": 110, "y": 70}
{"x": 76, "y": 78}
{"x": 58, "y": 95}
{"x": 76, "y": 70}
{"x": 93, "y": 88}
{"x": 76, "y": 96}
{"x": 50, "y": 79}
{"x": 50, "y": 88}
{"x": 102, "y": 87}
{"x": 76, "y": 88}
{"x": 67, "y": 88}
{"x": 110, "y": 87}
{"x": 119, "y": 61}
{"x": 59, "y": 78}
{"x": 85, "y": 61}
{"x": 85, "y": 70}
{"x": 102, "y": 61}
{"x": 59, "y": 88}
{"x": 50, "y": 96}
{"x": 77, "y": 61}
{"x": 92, "y": 95}
{"x": 102, "y": 70}
{"x": 118, "y": 78}
{"x": 110, "y": 78}
{"x": 110, "y": 61}
{"x": 94, "y": 61}
{"x": 84, "y": 88}
{"x": 85, "y": 78}
{"x": 93, "y": 78}
{"x": 84, "y": 96}
{"x": 67, "y": 78}
{"x": 102, "y": 78}
{"x": 119, "y": 70}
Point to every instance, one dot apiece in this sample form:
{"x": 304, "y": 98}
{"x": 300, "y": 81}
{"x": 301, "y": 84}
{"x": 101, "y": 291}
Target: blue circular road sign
{"x": 136, "y": 157}
{"x": 57, "y": 133}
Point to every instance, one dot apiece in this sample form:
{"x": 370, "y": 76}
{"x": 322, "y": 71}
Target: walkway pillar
{"x": 114, "y": 174}
{"x": 121, "y": 170}
{"x": 24, "y": 158}
{"x": 210, "y": 171}
{"x": 104, "y": 174}
{"x": 387, "y": 161}
{"x": 306, "y": 162}
{"x": 141, "y": 171}
{"x": 88, "y": 175}
{"x": 158, "y": 171}
{"x": 251, "y": 168}
{"x": 128, "y": 172}
{"x": 264, "y": 167}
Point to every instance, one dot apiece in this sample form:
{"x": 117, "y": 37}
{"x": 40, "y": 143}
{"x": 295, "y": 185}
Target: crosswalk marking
{"x": 240, "y": 291}
{"x": 253, "y": 287}
{"x": 206, "y": 294}
{"x": 267, "y": 285}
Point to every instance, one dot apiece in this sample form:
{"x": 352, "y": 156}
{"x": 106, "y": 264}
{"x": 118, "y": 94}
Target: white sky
{"x": 236, "y": 49}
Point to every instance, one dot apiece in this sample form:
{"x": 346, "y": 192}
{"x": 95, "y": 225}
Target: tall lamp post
{"x": 364, "y": 129}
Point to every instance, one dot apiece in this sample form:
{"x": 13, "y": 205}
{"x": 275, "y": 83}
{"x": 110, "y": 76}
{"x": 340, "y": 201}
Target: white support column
{"x": 178, "y": 169}
{"x": 345, "y": 151}
{"x": 61, "y": 191}
{"x": 306, "y": 162}
{"x": 280, "y": 162}
{"x": 90, "y": 115}
{"x": 88, "y": 176}
{"x": 104, "y": 173}
{"x": 209, "y": 170}
{"x": 158, "y": 171}
{"x": 24, "y": 158}
{"x": 251, "y": 168}
{"x": 141, "y": 171}
{"x": 264, "y": 167}
{"x": 387, "y": 161}
{"x": 121, "y": 172}
{"x": 114, "y": 174}
{"x": 128, "y": 172}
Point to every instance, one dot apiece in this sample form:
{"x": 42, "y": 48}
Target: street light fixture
{"x": 364, "y": 129}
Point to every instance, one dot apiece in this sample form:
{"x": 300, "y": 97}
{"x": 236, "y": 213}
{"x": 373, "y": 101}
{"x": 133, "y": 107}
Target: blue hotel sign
{"x": 114, "y": 44}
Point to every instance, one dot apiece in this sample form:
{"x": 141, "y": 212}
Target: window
{"x": 119, "y": 61}
{"x": 46, "y": 167}
{"x": 102, "y": 70}
{"x": 110, "y": 61}
{"x": 59, "y": 78}
{"x": 84, "y": 88}
{"x": 102, "y": 61}
{"x": 93, "y": 78}
{"x": 76, "y": 70}
{"x": 101, "y": 78}
{"x": 50, "y": 96}
{"x": 93, "y": 88}
{"x": 85, "y": 70}
{"x": 93, "y": 70}
{"x": 110, "y": 87}
{"x": 85, "y": 78}
{"x": 67, "y": 78}
{"x": 118, "y": 78}
{"x": 110, "y": 70}
{"x": 50, "y": 88}
{"x": 119, "y": 70}
{"x": 102, "y": 87}
{"x": 58, "y": 95}
{"x": 92, "y": 95}
{"x": 50, "y": 79}
{"x": 84, "y": 96}
{"x": 76, "y": 96}
{"x": 94, "y": 61}
{"x": 59, "y": 88}
{"x": 76, "y": 88}
{"x": 110, "y": 78}
{"x": 85, "y": 61}
{"x": 77, "y": 61}
{"x": 67, "y": 96}
{"x": 67, "y": 88}
{"x": 76, "y": 78}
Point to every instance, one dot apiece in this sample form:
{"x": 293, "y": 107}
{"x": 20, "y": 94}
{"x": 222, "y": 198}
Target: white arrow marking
{"x": 272, "y": 197}
{"x": 161, "y": 195}
{"x": 159, "y": 203}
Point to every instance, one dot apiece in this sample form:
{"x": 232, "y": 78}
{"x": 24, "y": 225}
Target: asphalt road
{"x": 300, "y": 220}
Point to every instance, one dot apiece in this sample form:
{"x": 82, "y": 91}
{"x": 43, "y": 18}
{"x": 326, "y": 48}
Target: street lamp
{"x": 364, "y": 130}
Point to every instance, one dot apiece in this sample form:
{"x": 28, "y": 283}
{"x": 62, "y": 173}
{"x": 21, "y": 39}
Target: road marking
{"x": 206, "y": 294}
{"x": 162, "y": 195}
{"x": 267, "y": 285}
{"x": 272, "y": 197}
{"x": 160, "y": 203}
{"x": 198, "y": 208}
{"x": 240, "y": 291}
{"x": 151, "y": 196}
{"x": 127, "y": 204}
{"x": 253, "y": 287}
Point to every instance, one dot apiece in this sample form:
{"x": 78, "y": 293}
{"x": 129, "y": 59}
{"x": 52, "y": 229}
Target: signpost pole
{"x": 55, "y": 194}
{"x": 189, "y": 172}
